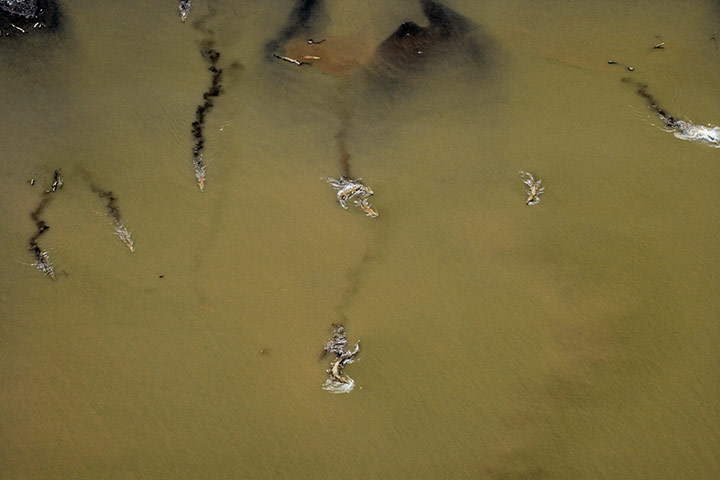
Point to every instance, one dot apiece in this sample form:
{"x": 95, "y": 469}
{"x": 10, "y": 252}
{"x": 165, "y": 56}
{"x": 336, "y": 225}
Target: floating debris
{"x": 683, "y": 130}
{"x": 120, "y": 229}
{"x": 42, "y": 259}
{"x": 628, "y": 68}
{"x": 660, "y": 46}
{"x": 336, "y": 381}
{"x": 184, "y": 9}
{"x": 291, "y": 60}
{"x": 212, "y": 56}
{"x": 57, "y": 182}
{"x": 315, "y": 42}
{"x": 353, "y": 190}
{"x": 533, "y": 188}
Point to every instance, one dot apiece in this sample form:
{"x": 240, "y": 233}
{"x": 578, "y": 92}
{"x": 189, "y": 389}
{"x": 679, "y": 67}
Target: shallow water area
{"x": 574, "y": 338}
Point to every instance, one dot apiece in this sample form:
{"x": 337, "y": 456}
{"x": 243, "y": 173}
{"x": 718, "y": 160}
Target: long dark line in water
{"x": 114, "y": 211}
{"x": 668, "y": 119}
{"x": 355, "y": 277}
{"x": 683, "y": 129}
{"x": 347, "y": 187}
{"x": 42, "y": 260}
{"x": 212, "y": 56}
{"x": 299, "y": 21}
{"x": 341, "y": 137}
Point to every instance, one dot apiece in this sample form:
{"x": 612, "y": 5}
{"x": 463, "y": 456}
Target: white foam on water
{"x": 333, "y": 386}
{"x": 709, "y": 135}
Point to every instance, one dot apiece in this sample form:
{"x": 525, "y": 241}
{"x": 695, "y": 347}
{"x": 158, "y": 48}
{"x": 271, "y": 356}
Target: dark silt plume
{"x": 42, "y": 260}
{"x": 299, "y": 21}
{"x": 445, "y": 20}
{"x": 412, "y": 46}
{"x": 668, "y": 119}
{"x": 212, "y": 56}
{"x": 110, "y": 200}
{"x": 341, "y": 136}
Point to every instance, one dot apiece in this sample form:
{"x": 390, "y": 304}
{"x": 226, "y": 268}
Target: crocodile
{"x": 42, "y": 259}
{"x": 212, "y": 56}
{"x": 353, "y": 190}
{"x": 533, "y": 188}
{"x": 709, "y": 135}
{"x": 120, "y": 229}
{"x": 184, "y": 9}
{"x": 57, "y": 182}
{"x": 336, "y": 368}
{"x": 26, "y": 17}
{"x": 336, "y": 345}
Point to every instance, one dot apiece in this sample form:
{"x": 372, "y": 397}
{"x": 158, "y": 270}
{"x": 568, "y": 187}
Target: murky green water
{"x": 572, "y": 339}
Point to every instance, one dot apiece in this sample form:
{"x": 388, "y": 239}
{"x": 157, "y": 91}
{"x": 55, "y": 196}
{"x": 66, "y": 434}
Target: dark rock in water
{"x": 21, "y": 17}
